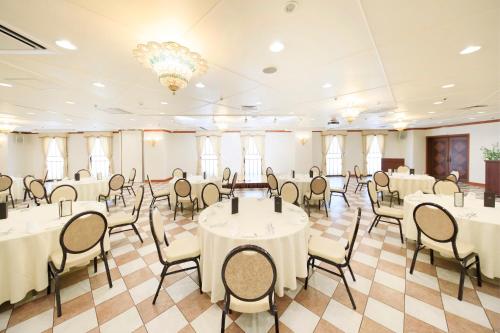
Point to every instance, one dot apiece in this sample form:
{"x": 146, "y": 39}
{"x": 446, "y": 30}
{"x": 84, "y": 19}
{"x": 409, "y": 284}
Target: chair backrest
{"x": 289, "y": 192}
{"x": 372, "y": 193}
{"x": 316, "y": 171}
{"x": 81, "y": 233}
{"x": 452, "y": 177}
{"x": 269, "y": 171}
{"x": 116, "y": 182}
{"x": 63, "y": 192}
{"x": 446, "y": 187}
{"x": 403, "y": 169}
{"x": 38, "y": 190}
{"x": 210, "y": 194}
{"x": 381, "y": 179}
{"x": 84, "y": 173}
{"x": 318, "y": 185}
{"x": 5, "y": 182}
{"x": 347, "y": 179}
{"x": 272, "y": 181}
{"x": 357, "y": 172}
{"x": 150, "y": 186}
{"x": 352, "y": 232}
{"x": 226, "y": 174}
{"x": 139, "y": 197}
{"x": 131, "y": 177}
{"x": 233, "y": 183}
{"x": 249, "y": 273}
{"x": 158, "y": 231}
{"x": 182, "y": 188}
{"x": 456, "y": 174}
{"x": 177, "y": 173}
{"x": 27, "y": 181}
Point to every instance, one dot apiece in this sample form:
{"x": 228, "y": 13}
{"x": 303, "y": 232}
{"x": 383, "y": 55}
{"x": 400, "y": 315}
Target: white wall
{"x": 4, "y": 153}
{"x": 181, "y": 152}
{"x": 230, "y": 150}
{"x": 279, "y": 154}
{"x": 77, "y": 153}
{"x": 155, "y": 156}
{"x": 131, "y": 147}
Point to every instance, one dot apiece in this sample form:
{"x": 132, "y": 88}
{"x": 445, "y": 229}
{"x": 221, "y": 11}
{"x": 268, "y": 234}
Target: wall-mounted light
{"x": 152, "y": 138}
{"x": 303, "y": 137}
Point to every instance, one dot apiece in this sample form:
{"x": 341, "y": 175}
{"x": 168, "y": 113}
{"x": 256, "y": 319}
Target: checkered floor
{"x": 388, "y": 298}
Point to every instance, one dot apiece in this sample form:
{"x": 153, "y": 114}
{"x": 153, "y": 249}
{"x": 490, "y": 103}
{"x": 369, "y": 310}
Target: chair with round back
{"x": 342, "y": 191}
{"x": 183, "y": 196}
{"x": 272, "y": 184}
{"x": 210, "y": 194}
{"x": 446, "y": 187}
{"x": 316, "y": 171}
{"x": 81, "y": 240}
{"x": 177, "y": 173}
{"x": 129, "y": 186}
{"x": 38, "y": 191}
{"x": 115, "y": 189}
{"x": 403, "y": 169}
{"x": 289, "y": 192}
{"x": 158, "y": 195}
{"x": 452, "y": 177}
{"x": 316, "y": 193}
{"x": 180, "y": 251}
{"x": 383, "y": 184}
{"x": 26, "y": 182}
{"x": 456, "y": 174}
{"x": 63, "y": 192}
{"x": 334, "y": 253}
{"x": 229, "y": 192}
{"x": 269, "y": 171}
{"x": 249, "y": 276}
{"x": 6, "y": 189}
{"x": 437, "y": 230}
{"x": 360, "y": 180}
{"x": 122, "y": 219}
{"x": 84, "y": 173}
{"x": 226, "y": 175}
{"x": 383, "y": 211}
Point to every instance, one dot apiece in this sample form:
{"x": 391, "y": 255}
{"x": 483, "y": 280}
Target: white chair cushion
{"x": 162, "y": 193}
{"x": 446, "y": 249}
{"x": 75, "y": 260}
{"x": 120, "y": 218}
{"x": 314, "y": 196}
{"x": 249, "y": 307}
{"x": 390, "y": 211}
{"x": 336, "y": 189}
{"x": 111, "y": 194}
{"x": 182, "y": 249}
{"x": 225, "y": 191}
{"x": 327, "y": 248}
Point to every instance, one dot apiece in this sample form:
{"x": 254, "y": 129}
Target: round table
{"x": 27, "y": 238}
{"x": 283, "y": 235}
{"x": 303, "y": 183}
{"x": 197, "y": 183}
{"x": 88, "y": 188}
{"x": 408, "y": 184}
{"x": 477, "y": 225}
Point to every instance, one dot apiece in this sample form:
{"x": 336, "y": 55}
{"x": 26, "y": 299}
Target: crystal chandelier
{"x": 174, "y": 64}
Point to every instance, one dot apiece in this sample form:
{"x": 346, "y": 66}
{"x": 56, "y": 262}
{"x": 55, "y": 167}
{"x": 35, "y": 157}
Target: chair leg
{"x": 400, "y": 231}
{"x": 352, "y": 274}
{"x": 12, "y": 201}
{"x": 390, "y": 204}
{"x": 49, "y": 278}
{"x": 152, "y": 202}
{"x": 163, "y": 272}
{"x": 137, "y": 233}
{"x": 373, "y": 223}
{"x": 95, "y": 264}
{"x": 347, "y": 288}
{"x": 169, "y": 205}
{"x": 223, "y": 321}
{"x": 199, "y": 274}
{"x": 414, "y": 260}
{"x": 432, "y": 256}
{"x": 478, "y": 272}
{"x": 132, "y": 190}
{"x": 307, "y": 277}
{"x": 25, "y": 194}
{"x": 175, "y": 211}
{"x": 58, "y": 295}
{"x": 106, "y": 267}
{"x": 462, "y": 280}
{"x": 276, "y": 321}
{"x": 128, "y": 190}
{"x": 326, "y": 209}
{"x": 123, "y": 199}
{"x": 345, "y": 199}
{"x": 330, "y": 201}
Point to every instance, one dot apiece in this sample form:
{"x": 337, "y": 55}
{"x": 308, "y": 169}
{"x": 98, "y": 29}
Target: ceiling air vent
{"x": 470, "y": 107}
{"x": 112, "y": 110}
{"x": 13, "y": 41}
{"x": 252, "y": 108}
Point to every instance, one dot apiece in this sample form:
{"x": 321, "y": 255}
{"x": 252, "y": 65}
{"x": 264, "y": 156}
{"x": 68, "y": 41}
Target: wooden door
{"x": 448, "y": 153}
{"x": 459, "y": 155}
{"x": 437, "y": 157}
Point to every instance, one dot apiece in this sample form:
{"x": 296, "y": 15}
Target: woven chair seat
{"x": 389, "y": 211}
{"x": 75, "y": 260}
{"x": 327, "y": 248}
{"x": 183, "y": 248}
{"x": 120, "y": 218}
{"x": 249, "y": 307}
{"x": 446, "y": 249}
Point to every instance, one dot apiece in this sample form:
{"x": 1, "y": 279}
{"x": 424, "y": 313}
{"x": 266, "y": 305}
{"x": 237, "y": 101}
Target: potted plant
{"x": 492, "y": 168}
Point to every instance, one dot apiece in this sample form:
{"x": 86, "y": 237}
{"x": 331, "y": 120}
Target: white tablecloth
{"x": 197, "y": 183}
{"x": 27, "y": 238}
{"x": 409, "y": 184}
{"x": 482, "y": 229}
{"x": 219, "y": 232}
{"x": 88, "y": 188}
{"x": 303, "y": 183}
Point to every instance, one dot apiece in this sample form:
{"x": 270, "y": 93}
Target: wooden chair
{"x": 183, "y": 196}
{"x": 383, "y": 185}
{"x": 210, "y": 194}
{"x": 115, "y": 189}
{"x": 316, "y": 193}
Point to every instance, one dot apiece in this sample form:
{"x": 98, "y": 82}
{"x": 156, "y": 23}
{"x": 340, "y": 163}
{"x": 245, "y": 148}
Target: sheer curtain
{"x": 245, "y": 142}
{"x": 340, "y": 140}
{"x": 368, "y": 141}
{"x": 107, "y": 147}
{"x": 260, "y": 144}
{"x": 200, "y": 140}
{"x": 62, "y": 146}
{"x": 325, "y": 146}
{"x": 215, "y": 141}
{"x": 381, "y": 143}
{"x": 45, "y": 150}
{"x": 90, "y": 148}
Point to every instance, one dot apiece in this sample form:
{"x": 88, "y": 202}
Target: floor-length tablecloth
{"x": 407, "y": 184}
{"x": 303, "y": 183}
{"x": 283, "y": 235}
{"x": 88, "y": 188}
{"x": 27, "y": 238}
{"x": 477, "y": 225}
{"x": 197, "y": 183}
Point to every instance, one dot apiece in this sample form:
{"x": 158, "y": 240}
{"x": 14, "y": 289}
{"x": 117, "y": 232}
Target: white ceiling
{"x": 389, "y": 57}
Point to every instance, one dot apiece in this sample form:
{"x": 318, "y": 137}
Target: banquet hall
{"x": 249, "y": 166}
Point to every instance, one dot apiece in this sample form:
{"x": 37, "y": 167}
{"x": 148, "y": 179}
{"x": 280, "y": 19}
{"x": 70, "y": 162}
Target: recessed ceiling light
{"x": 200, "y": 85}
{"x": 481, "y": 112}
{"x": 99, "y": 84}
{"x": 162, "y": 113}
{"x": 291, "y": 112}
{"x": 53, "y": 112}
{"x": 30, "y": 113}
{"x": 470, "y": 49}
{"x": 327, "y": 85}
{"x": 70, "y": 102}
{"x": 438, "y": 102}
{"x": 446, "y": 86}
{"x": 65, "y": 44}
{"x": 270, "y": 70}
{"x": 258, "y": 103}
{"x": 276, "y": 46}
{"x": 69, "y": 119}
{"x": 431, "y": 112}
{"x": 164, "y": 103}
{"x": 471, "y": 118}
{"x": 7, "y": 85}
{"x": 132, "y": 119}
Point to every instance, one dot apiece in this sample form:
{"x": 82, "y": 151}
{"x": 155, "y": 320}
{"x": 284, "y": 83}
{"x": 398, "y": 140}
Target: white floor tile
{"x": 146, "y": 249}
{"x": 156, "y": 268}
{"x": 347, "y": 319}
{"x": 299, "y": 319}
{"x": 210, "y": 320}
{"x": 255, "y": 322}
{"x": 83, "y": 322}
{"x": 385, "y": 315}
{"x": 466, "y": 310}
{"x": 131, "y": 266}
{"x": 426, "y": 313}
{"x": 423, "y": 279}
{"x": 127, "y": 321}
{"x": 489, "y": 302}
{"x": 292, "y": 293}
{"x": 394, "y": 241}
{"x": 100, "y": 266}
{"x": 323, "y": 283}
{"x": 422, "y": 257}
{"x": 36, "y": 324}
{"x": 122, "y": 250}
{"x": 452, "y": 276}
{"x": 4, "y": 319}
{"x": 142, "y": 291}
{"x": 389, "y": 280}
{"x": 361, "y": 284}
{"x": 335, "y": 232}
{"x": 75, "y": 290}
{"x": 171, "y": 320}
{"x": 372, "y": 242}
{"x": 181, "y": 289}
{"x": 365, "y": 259}
{"x": 104, "y": 293}
{"x": 394, "y": 258}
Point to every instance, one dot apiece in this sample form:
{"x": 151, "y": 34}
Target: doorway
{"x": 446, "y": 153}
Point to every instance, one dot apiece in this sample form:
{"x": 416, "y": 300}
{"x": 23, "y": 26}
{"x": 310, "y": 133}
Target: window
{"x": 208, "y": 159}
{"x": 253, "y": 161}
{"x": 374, "y": 157}
{"x": 55, "y": 161}
{"x": 334, "y": 158}
{"x": 99, "y": 163}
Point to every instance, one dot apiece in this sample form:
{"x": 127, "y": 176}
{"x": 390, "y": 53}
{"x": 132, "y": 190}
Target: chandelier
{"x": 400, "y": 126}
{"x": 174, "y": 64}
{"x": 350, "y": 114}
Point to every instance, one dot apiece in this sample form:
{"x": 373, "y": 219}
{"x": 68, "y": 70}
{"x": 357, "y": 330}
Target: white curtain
{"x": 215, "y": 141}
{"x": 340, "y": 140}
{"x": 62, "y": 146}
{"x": 325, "y": 146}
{"x": 107, "y": 147}
{"x": 245, "y": 143}
{"x": 381, "y": 143}
{"x": 260, "y": 144}
{"x": 90, "y": 148}
{"x": 45, "y": 150}
{"x": 368, "y": 141}
{"x": 200, "y": 142}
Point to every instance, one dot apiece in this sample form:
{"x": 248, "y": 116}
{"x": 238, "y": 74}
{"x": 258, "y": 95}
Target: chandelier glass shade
{"x": 173, "y": 63}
